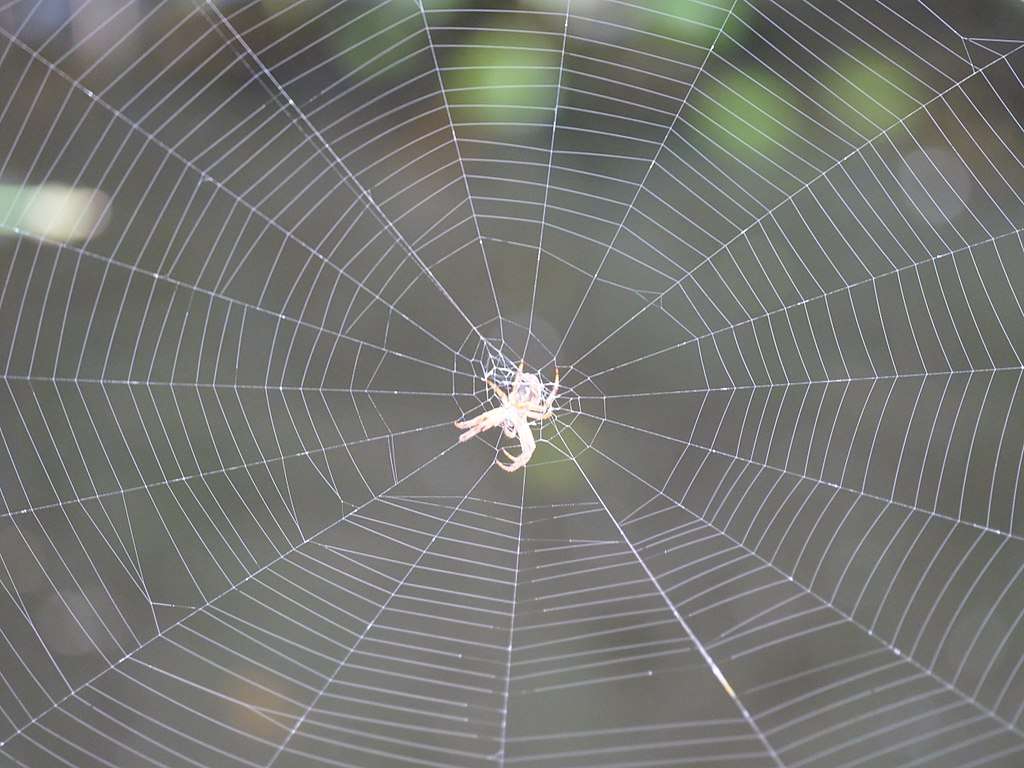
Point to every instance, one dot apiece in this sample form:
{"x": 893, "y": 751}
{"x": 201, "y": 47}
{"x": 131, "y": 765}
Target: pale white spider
{"x": 522, "y": 404}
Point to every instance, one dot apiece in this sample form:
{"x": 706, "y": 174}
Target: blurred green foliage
{"x": 869, "y": 92}
{"x": 749, "y": 113}
{"x": 377, "y": 40}
{"x": 502, "y": 73}
{"x": 698, "y": 21}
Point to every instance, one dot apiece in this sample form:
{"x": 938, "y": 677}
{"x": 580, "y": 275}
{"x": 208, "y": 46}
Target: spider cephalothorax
{"x": 523, "y": 404}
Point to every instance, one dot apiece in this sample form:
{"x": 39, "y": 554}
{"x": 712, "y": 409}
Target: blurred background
{"x": 256, "y": 258}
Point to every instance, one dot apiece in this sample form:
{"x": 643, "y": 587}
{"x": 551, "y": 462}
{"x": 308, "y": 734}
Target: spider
{"x": 522, "y": 404}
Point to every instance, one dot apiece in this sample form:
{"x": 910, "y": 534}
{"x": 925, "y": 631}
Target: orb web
{"x": 256, "y": 258}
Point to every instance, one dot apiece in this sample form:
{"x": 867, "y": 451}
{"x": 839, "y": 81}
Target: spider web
{"x": 775, "y": 249}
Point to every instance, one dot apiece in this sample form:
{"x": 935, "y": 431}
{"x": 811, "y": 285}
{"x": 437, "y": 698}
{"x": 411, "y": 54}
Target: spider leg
{"x": 551, "y": 396}
{"x": 519, "y": 375}
{"x": 528, "y": 445}
{"x": 469, "y": 424}
{"x": 479, "y": 424}
{"x": 518, "y": 462}
{"x": 473, "y": 432}
{"x": 502, "y": 395}
{"x": 538, "y": 412}
{"x": 539, "y": 415}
